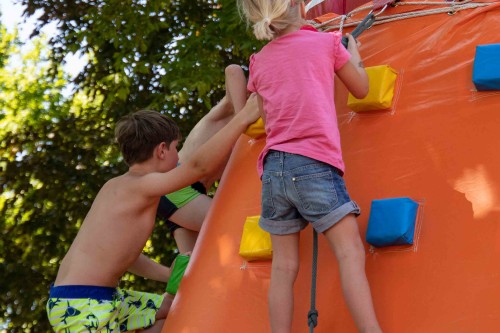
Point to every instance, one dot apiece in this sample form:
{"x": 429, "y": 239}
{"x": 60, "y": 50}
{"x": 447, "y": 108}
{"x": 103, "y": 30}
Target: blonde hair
{"x": 270, "y": 17}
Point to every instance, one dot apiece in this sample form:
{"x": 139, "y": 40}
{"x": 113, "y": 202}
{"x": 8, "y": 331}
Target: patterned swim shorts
{"x": 92, "y": 308}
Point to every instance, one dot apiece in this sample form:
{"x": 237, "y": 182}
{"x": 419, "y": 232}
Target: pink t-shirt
{"x": 294, "y": 75}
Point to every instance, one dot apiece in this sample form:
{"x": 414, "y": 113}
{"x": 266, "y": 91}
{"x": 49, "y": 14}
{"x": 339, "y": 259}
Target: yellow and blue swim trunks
{"x": 92, "y": 309}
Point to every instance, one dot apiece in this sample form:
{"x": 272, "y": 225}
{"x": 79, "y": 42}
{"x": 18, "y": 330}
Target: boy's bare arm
{"x": 207, "y": 158}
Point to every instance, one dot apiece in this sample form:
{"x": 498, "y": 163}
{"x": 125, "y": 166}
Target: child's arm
{"x": 204, "y": 160}
{"x": 353, "y": 73}
{"x": 236, "y": 86}
{"x": 150, "y": 269}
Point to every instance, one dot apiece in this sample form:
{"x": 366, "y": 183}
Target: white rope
{"x": 450, "y": 7}
{"x": 341, "y": 26}
{"x": 397, "y": 17}
{"x": 344, "y": 17}
{"x": 452, "y": 10}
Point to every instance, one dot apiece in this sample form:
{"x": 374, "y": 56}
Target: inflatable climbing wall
{"x": 438, "y": 144}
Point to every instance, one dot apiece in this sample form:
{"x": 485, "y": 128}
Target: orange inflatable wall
{"x": 438, "y": 145}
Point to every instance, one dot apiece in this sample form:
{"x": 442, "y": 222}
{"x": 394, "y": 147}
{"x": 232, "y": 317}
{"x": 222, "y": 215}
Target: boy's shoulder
{"x": 122, "y": 190}
{"x": 125, "y": 181}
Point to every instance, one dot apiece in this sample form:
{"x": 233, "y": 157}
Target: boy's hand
{"x": 251, "y": 110}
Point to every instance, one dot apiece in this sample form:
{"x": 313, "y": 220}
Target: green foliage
{"x": 51, "y": 172}
{"x": 57, "y": 149}
{"x": 160, "y": 54}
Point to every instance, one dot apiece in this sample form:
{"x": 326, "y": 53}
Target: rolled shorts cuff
{"x": 282, "y": 227}
{"x": 335, "y": 216}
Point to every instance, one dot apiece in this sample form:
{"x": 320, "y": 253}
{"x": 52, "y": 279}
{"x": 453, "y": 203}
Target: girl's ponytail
{"x": 262, "y": 29}
{"x": 269, "y": 17}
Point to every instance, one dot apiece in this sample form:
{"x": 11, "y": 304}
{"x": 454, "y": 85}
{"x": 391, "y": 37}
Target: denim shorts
{"x": 297, "y": 190}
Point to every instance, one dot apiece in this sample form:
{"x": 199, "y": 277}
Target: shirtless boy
{"x": 85, "y": 294}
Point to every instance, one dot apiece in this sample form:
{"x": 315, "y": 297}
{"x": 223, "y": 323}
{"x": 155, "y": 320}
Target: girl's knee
{"x": 288, "y": 268}
{"x": 352, "y": 254}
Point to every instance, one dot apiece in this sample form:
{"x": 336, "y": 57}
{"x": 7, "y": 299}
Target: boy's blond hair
{"x": 269, "y": 17}
{"x": 140, "y": 132}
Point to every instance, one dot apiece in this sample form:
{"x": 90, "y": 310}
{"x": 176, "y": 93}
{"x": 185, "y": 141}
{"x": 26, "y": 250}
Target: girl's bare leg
{"x": 347, "y": 246}
{"x": 285, "y": 268}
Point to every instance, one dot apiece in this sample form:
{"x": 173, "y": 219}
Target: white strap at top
{"x": 312, "y": 4}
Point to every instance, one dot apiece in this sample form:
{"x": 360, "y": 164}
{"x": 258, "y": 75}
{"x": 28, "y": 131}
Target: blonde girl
{"x": 301, "y": 165}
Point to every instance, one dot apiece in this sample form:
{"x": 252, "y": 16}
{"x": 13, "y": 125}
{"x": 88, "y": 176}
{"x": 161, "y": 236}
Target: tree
{"x": 48, "y": 160}
{"x": 57, "y": 147}
{"x": 160, "y": 54}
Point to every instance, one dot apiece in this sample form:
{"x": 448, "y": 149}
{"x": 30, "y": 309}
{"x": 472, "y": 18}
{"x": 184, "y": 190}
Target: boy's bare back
{"x": 112, "y": 235}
